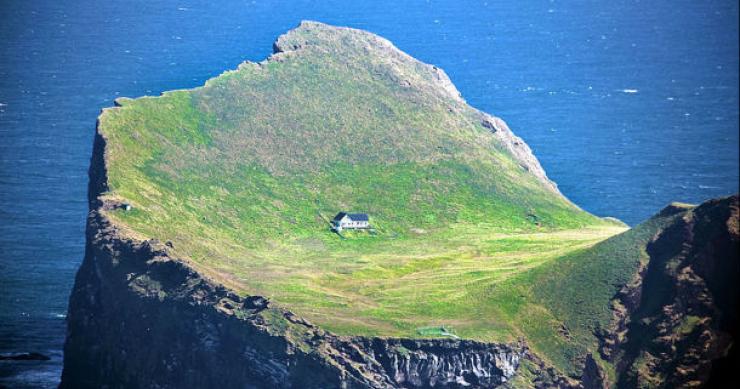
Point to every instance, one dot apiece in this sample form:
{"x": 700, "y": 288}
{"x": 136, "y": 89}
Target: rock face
{"x": 139, "y": 318}
{"x": 518, "y": 148}
{"x": 434, "y": 363}
{"x": 677, "y": 323}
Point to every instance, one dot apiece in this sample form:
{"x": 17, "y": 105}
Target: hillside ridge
{"x": 287, "y": 43}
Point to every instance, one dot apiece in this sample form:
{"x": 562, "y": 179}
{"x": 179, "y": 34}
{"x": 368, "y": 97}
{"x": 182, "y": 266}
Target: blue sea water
{"x": 628, "y": 104}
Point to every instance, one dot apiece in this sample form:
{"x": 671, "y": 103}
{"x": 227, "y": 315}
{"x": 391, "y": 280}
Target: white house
{"x": 350, "y": 221}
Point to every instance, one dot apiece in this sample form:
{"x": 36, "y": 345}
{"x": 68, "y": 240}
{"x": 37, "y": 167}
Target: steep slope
{"x": 655, "y": 306}
{"x": 683, "y": 323}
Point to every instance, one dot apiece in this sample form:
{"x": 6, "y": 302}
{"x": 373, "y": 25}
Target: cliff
{"x": 676, "y": 324}
{"x": 655, "y": 306}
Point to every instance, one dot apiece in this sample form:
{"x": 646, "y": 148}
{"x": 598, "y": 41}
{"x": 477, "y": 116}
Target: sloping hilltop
{"x": 243, "y": 175}
{"x": 210, "y": 258}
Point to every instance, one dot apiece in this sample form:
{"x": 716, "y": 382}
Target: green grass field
{"x": 243, "y": 174}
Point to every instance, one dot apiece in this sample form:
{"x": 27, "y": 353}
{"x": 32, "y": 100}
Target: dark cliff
{"x": 676, "y": 324}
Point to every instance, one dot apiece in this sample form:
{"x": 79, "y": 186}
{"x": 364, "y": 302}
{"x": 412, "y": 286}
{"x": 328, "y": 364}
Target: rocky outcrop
{"x": 518, "y": 149}
{"x": 141, "y": 318}
{"x": 448, "y": 363}
{"x": 593, "y": 376}
{"x": 32, "y": 356}
{"x": 677, "y": 323}
{"x": 376, "y": 47}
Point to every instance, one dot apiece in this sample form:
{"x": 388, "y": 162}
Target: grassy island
{"x": 242, "y": 176}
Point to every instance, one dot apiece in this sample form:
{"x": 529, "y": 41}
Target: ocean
{"x": 628, "y": 104}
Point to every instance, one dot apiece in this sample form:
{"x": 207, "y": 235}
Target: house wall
{"x": 353, "y": 224}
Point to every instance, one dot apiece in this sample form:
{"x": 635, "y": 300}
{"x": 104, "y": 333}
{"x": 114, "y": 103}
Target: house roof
{"x": 358, "y": 217}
